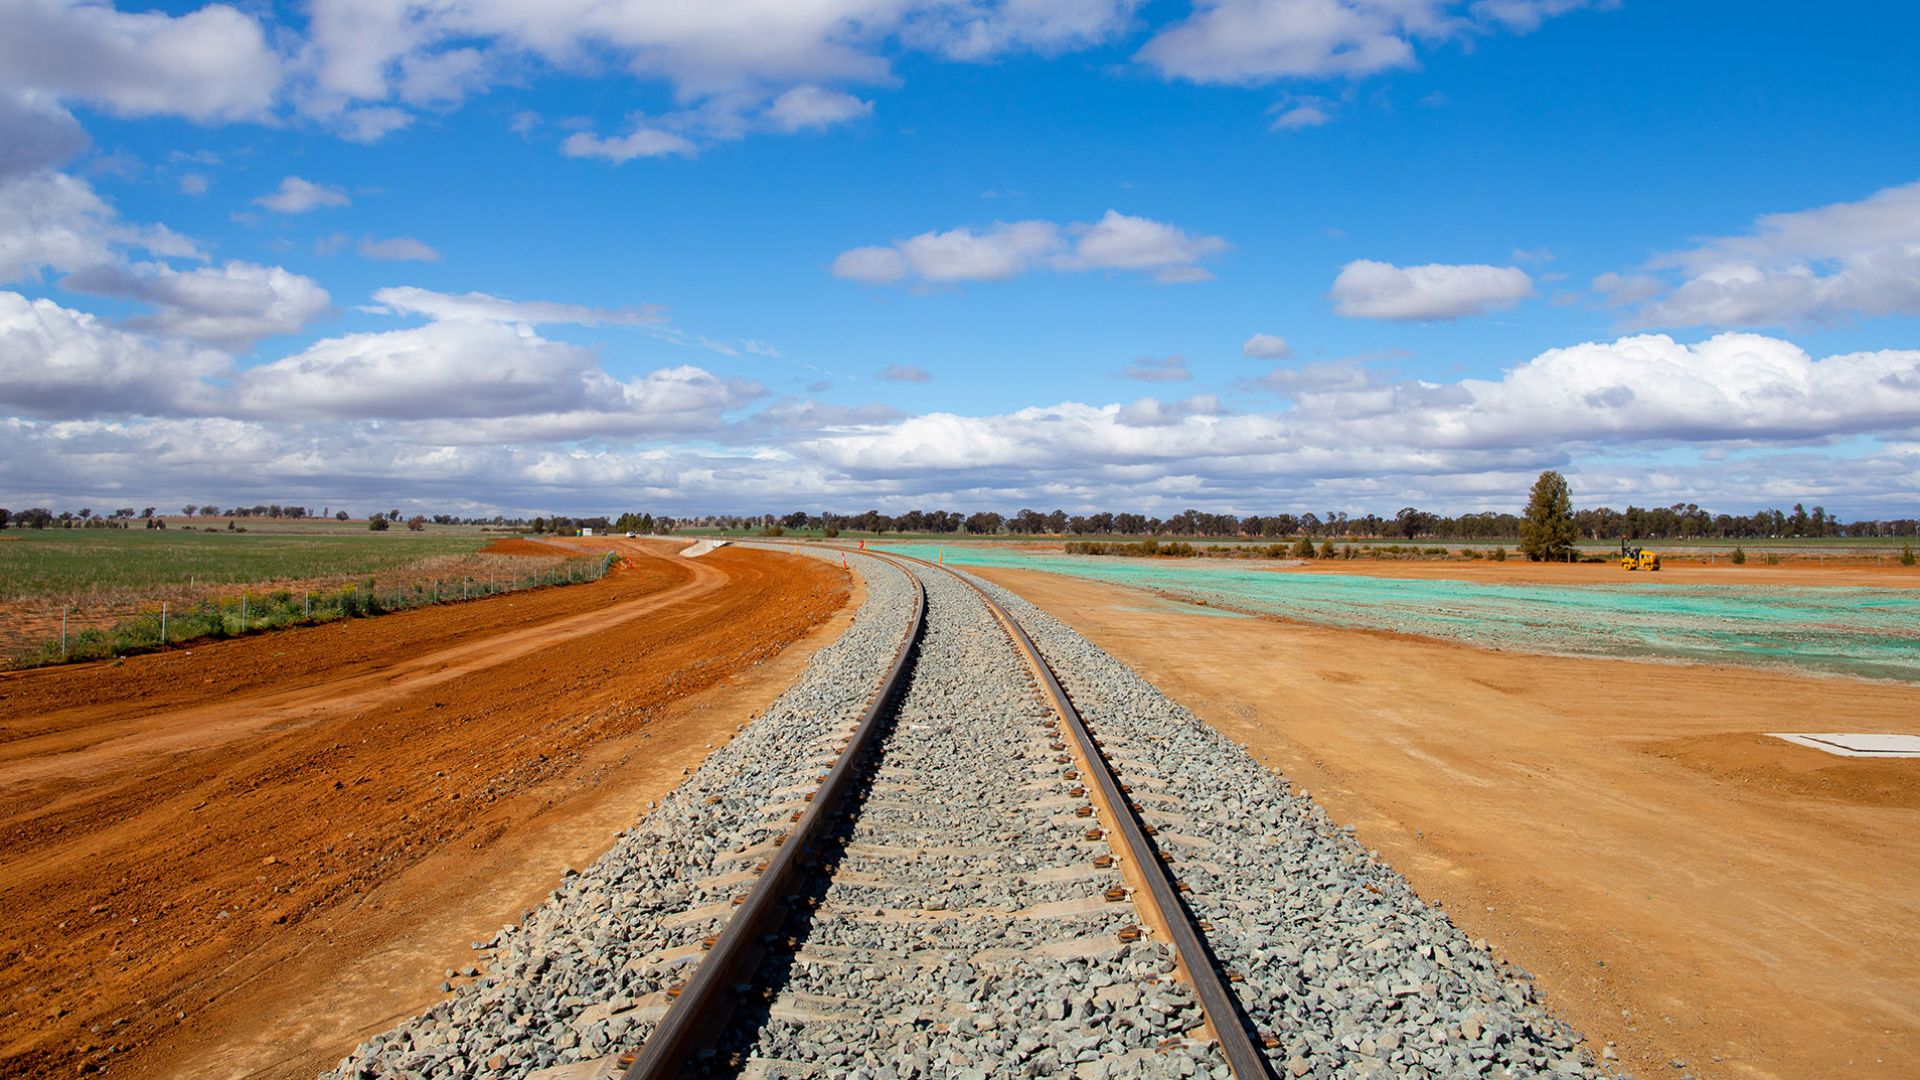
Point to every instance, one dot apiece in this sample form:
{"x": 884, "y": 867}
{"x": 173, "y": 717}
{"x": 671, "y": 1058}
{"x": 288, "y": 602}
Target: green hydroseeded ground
{"x": 1873, "y": 633}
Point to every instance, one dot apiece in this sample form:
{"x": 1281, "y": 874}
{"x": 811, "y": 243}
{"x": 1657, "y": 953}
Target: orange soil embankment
{"x": 1681, "y": 885}
{"x": 515, "y": 545}
{"x": 238, "y": 859}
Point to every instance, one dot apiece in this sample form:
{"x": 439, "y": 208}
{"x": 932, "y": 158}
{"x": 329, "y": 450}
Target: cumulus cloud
{"x": 1248, "y": 42}
{"x": 904, "y": 373}
{"x": 444, "y": 369}
{"x": 1151, "y": 369}
{"x": 57, "y": 362}
{"x": 482, "y": 307}
{"x": 1367, "y": 289}
{"x": 53, "y": 220}
{"x": 1822, "y": 265}
{"x": 642, "y": 142}
{"x": 213, "y": 63}
{"x": 397, "y": 249}
{"x": 364, "y": 48}
{"x": 1646, "y": 391}
{"x": 1152, "y": 412}
{"x": 35, "y": 133}
{"x": 1266, "y": 347}
{"x": 1646, "y": 401}
{"x": 231, "y": 305}
{"x": 298, "y": 196}
{"x": 1009, "y": 249}
{"x": 812, "y": 107}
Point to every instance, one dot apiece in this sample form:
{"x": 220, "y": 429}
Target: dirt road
{"x": 240, "y": 858}
{"x": 1683, "y": 887}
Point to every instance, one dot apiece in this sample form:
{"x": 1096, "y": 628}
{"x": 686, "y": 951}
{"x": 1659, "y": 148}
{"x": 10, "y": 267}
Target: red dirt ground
{"x": 246, "y": 849}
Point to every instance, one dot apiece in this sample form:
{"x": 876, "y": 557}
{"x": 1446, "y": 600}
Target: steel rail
{"x": 1220, "y": 1007}
{"x": 693, "y": 1020}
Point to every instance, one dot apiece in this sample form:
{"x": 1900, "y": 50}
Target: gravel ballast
{"x": 1345, "y": 969}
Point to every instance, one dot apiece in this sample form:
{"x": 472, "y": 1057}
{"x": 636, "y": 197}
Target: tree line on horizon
{"x": 1680, "y": 521}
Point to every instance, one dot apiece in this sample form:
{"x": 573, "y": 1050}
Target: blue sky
{"x": 975, "y": 253}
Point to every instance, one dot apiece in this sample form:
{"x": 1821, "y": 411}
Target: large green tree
{"x": 1548, "y": 532}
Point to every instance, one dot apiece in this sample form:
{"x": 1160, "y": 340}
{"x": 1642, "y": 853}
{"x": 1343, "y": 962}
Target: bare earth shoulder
{"x": 1684, "y": 887}
{"x": 241, "y": 859}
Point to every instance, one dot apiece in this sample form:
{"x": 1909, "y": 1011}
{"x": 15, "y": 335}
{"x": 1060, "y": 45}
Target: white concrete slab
{"x": 1856, "y": 745}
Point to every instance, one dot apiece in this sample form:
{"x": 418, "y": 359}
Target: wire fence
{"x": 216, "y": 617}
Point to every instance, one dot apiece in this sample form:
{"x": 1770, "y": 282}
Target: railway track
{"x": 950, "y": 849}
{"x": 971, "y": 840}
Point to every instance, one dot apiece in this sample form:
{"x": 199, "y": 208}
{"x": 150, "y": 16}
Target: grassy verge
{"x": 215, "y": 618}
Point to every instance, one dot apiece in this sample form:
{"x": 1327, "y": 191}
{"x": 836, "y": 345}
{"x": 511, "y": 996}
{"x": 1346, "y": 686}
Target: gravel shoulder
{"x": 1678, "y": 884}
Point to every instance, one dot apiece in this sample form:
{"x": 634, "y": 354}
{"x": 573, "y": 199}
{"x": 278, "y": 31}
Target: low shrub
{"x": 1739, "y": 556}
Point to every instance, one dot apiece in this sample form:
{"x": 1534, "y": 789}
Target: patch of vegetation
{"x": 62, "y": 562}
{"x": 1148, "y": 548}
{"x": 250, "y": 613}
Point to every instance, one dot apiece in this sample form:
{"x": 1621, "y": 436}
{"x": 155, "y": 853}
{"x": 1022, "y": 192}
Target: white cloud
{"x": 735, "y": 67}
{"x": 1297, "y": 117}
{"x": 466, "y": 381}
{"x": 52, "y": 220}
{"x": 1619, "y": 417}
{"x": 811, "y": 107}
{"x": 298, "y": 196}
{"x": 1266, "y": 347}
{"x": 194, "y": 184}
{"x": 1255, "y": 41}
{"x": 1123, "y": 242}
{"x": 35, "y": 133}
{"x": 1812, "y": 266}
{"x": 443, "y": 369}
{"x": 642, "y": 141}
{"x": 397, "y": 249}
{"x": 1152, "y": 412}
{"x": 210, "y": 64}
{"x": 1647, "y": 391}
{"x": 872, "y": 265}
{"x": 482, "y": 307}
{"x": 442, "y": 79}
{"x": 1151, "y": 369}
{"x": 1008, "y": 249}
{"x": 904, "y": 373}
{"x": 58, "y": 362}
{"x": 1367, "y": 289}
{"x": 1002, "y": 251}
{"x": 369, "y": 124}
{"x": 231, "y": 305}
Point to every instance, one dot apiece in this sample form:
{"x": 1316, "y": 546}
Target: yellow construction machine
{"x": 1637, "y": 558}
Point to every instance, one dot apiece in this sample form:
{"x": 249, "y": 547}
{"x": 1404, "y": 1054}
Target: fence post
{"x": 436, "y": 590}
{"x": 163, "y": 622}
{"x": 63, "y": 631}
{"x": 243, "y": 611}
{"x": 306, "y": 604}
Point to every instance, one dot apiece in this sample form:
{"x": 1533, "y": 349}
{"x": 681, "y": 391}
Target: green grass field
{"x": 63, "y": 562}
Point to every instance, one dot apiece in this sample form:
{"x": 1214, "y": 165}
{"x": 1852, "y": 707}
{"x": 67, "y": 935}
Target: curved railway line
{"x": 702, "y": 1004}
